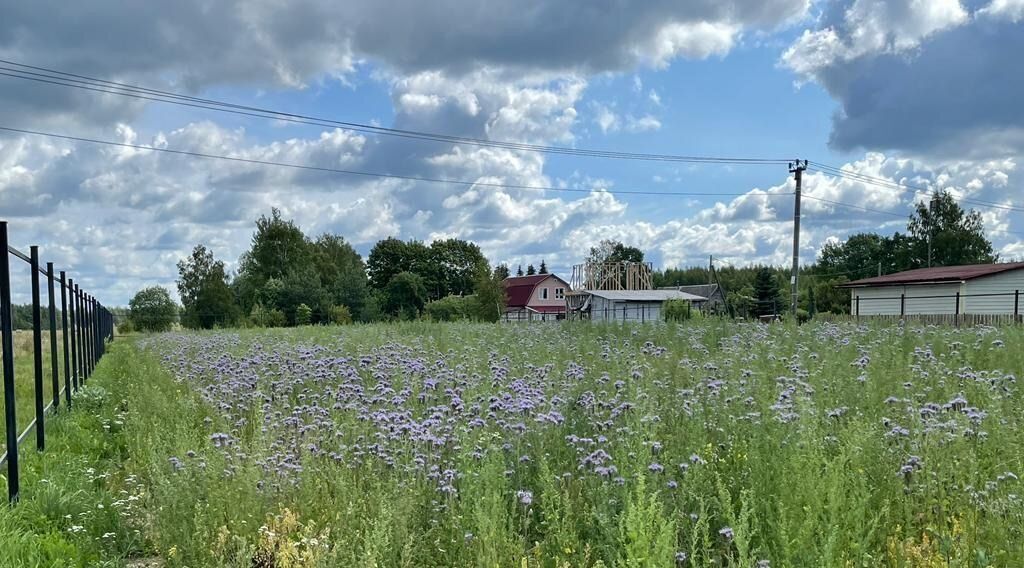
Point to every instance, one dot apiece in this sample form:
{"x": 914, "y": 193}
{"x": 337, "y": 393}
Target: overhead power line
{"x": 890, "y": 184}
{"x": 365, "y": 173}
{"x": 56, "y": 77}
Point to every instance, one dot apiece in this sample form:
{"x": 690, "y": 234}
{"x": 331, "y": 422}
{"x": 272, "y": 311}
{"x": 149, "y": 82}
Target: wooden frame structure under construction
{"x": 611, "y": 276}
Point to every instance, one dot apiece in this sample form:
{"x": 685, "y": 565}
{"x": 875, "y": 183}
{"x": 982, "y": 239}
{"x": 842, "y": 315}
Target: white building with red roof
{"x": 989, "y": 289}
{"x": 535, "y": 297}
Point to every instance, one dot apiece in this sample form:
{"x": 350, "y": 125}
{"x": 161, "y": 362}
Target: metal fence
{"x": 85, "y": 327}
{"x": 948, "y": 309}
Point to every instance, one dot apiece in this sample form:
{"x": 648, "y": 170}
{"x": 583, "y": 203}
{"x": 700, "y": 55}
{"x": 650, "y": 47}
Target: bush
{"x": 262, "y": 317}
{"x": 677, "y": 310}
{"x": 303, "y": 315}
{"x": 340, "y": 315}
{"x": 450, "y": 308}
{"x": 152, "y": 309}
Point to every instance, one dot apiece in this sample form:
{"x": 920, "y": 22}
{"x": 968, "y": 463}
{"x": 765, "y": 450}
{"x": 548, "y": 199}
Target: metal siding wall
{"x": 872, "y": 304}
{"x": 916, "y": 305}
{"x": 1004, "y": 283}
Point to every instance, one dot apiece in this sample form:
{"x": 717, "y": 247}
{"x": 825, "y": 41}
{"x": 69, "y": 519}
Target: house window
{"x": 543, "y": 293}
{"x": 559, "y": 293}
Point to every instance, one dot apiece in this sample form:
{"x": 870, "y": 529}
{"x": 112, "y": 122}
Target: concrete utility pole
{"x": 797, "y": 169}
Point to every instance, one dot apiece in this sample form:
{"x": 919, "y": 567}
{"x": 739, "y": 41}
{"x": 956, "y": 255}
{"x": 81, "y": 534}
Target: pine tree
{"x": 543, "y": 267}
{"x": 519, "y": 271}
{"x": 530, "y": 270}
{"x": 766, "y": 291}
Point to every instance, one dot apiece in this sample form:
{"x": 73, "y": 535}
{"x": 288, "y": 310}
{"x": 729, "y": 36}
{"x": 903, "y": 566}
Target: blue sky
{"x": 920, "y": 93}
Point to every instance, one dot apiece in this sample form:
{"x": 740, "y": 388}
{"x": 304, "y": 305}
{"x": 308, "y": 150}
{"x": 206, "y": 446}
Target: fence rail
{"x": 86, "y": 326}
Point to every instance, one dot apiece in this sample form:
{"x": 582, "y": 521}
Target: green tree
{"x": 405, "y": 296}
{"x": 278, "y": 248}
{"x": 530, "y": 270}
{"x": 341, "y": 271}
{"x": 501, "y": 271}
{"x": 766, "y": 291}
{"x": 957, "y": 237}
{"x": 519, "y": 271}
{"x": 205, "y": 294}
{"x": 614, "y": 251}
{"x": 543, "y": 267}
{"x": 488, "y": 296}
{"x": 152, "y": 309}
{"x": 391, "y": 256}
{"x": 452, "y": 267}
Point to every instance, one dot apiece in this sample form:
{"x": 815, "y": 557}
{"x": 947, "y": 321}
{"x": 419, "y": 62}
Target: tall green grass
{"x": 823, "y": 489}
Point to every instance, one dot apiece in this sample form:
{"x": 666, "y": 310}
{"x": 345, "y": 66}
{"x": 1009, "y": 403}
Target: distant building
{"x": 626, "y": 305}
{"x": 941, "y": 290}
{"x": 537, "y": 297}
{"x": 715, "y": 302}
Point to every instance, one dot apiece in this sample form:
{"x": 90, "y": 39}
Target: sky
{"x": 918, "y": 95}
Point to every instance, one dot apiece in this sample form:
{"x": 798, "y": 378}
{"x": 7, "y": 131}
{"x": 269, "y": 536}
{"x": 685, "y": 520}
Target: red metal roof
{"x": 518, "y": 289}
{"x": 936, "y": 274}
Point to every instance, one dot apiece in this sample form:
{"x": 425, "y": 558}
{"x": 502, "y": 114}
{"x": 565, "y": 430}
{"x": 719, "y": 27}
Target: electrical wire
{"x": 45, "y": 75}
{"x": 890, "y": 184}
{"x": 364, "y": 173}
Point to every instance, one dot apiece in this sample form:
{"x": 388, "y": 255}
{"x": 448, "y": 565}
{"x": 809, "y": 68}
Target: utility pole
{"x": 797, "y": 169}
{"x": 711, "y": 269}
{"x": 932, "y": 206}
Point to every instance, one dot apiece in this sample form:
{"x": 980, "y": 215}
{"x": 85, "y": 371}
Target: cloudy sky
{"x": 925, "y": 93}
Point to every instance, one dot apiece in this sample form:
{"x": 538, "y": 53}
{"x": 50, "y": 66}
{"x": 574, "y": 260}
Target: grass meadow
{"x": 704, "y": 444}
{"x": 24, "y": 378}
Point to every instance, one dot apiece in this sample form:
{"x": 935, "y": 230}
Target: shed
{"x": 629, "y": 305}
{"x": 942, "y": 290}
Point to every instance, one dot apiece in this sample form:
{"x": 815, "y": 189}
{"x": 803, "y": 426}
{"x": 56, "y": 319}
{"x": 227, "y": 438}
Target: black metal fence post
{"x": 64, "y": 336}
{"x": 857, "y": 307}
{"x": 73, "y": 332}
{"x": 90, "y": 332}
{"x": 956, "y": 314}
{"x": 54, "y": 369}
{"x": 7, "y": 338}
{"x": 903, "y": 304}
{"x": 80, "y": 336}
{"x": 37, "y": 349}
{"x": 1016, "y": 304}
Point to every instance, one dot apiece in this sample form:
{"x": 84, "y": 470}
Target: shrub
{"x": 340, "y": 315}
{"x": 450, "y": 308}
{"x": 303, "y": 315}
{"x": 677, "y": 310}
{"x": 152, "y": 309}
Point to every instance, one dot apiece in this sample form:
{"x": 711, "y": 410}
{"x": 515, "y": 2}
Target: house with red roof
{"x": 535, "y": 297}
{"x": 989, "y": 289}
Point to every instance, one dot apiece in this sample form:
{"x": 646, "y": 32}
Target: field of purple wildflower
{"x": 716, "y": 444}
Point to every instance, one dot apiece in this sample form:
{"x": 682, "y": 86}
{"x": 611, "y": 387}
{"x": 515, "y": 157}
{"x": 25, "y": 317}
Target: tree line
{"x": 287, "y": 278}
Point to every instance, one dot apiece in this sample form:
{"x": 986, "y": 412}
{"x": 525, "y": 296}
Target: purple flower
{"x": 655, "y": 468}
{"x": 525, "y": 497}
{"x": 726, "y": 533}
{"x": 681, "y": 557}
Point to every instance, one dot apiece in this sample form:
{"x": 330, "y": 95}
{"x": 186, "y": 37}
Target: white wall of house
{"x": 885, "y": 300}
